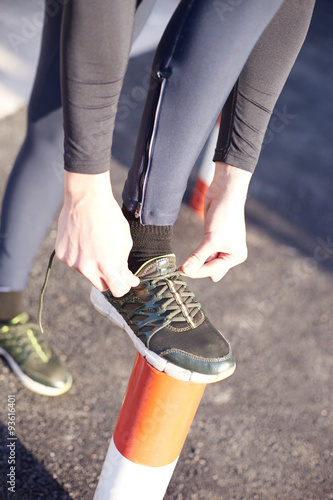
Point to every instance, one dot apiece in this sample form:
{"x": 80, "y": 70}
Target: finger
{"x": 195, "y": 261}
{"x": 212, "y": 257}
{"x": 99, "y": 284}
{"x": 130, "y": 278}
{"x": 117, "y": 286}
{"x": 120, "y": 282}
{"x": 94, "y": 279}
{"x": 216, "y": 267}
{"x": 111, "y": 279}
{"x": 218, "y": 277}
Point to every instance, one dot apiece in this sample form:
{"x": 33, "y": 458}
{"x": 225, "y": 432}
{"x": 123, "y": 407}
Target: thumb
{"x": 130, "y": 278}
{"x": 196, "y": 260}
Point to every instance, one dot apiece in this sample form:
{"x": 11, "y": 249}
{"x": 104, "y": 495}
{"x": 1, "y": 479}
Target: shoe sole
{"x": 103, "y": 306}
{"x": 31, "y": 384}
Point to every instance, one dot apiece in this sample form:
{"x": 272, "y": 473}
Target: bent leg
{"x": 198, "y": 61}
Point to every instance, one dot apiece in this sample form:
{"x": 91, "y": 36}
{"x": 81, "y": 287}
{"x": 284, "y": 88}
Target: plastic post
{"x": 152, "y": 426}
{"x": 205, "y": 174}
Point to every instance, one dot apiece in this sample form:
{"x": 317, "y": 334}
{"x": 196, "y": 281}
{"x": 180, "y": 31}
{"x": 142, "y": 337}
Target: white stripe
{"x": 122, "y": 479}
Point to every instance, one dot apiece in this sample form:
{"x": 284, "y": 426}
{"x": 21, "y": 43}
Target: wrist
{"x": 78, "y": 186}
{"x": 231, "y": 182}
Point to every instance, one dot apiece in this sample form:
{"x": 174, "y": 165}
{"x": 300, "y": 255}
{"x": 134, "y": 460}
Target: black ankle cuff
{"x": 148, "y": 241}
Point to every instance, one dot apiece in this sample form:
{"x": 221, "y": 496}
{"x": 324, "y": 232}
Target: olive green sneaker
{"x": 31, "y": 358}
{"x": 168, "y": 325}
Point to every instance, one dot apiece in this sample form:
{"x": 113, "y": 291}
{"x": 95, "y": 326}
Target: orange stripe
{"x": 197, "y": 200}
{"x": 156, "y": 416}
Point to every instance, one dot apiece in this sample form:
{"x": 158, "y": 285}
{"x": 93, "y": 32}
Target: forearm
{"x": 96, "y": 39}
{"x": 249, "y": 108}
{"x": 80, "y": 187}
{"x": 230, "y": 183}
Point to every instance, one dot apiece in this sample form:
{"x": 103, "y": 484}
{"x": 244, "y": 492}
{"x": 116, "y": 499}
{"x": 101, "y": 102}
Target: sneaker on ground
{"x": 31, "y": 358}
{"x": 168, "y": 325}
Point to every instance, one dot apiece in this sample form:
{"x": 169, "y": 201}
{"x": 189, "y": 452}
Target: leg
{"x": 244, "y": 121}
{"x": 35, "y": 187}
{"x": 197, "y": 63}
{"x": 162, "y": 316}
{"x": 32, "y": 196}
{"x": 34, "y": 192}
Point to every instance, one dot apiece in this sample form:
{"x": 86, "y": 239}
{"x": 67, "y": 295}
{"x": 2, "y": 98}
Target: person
{"x": 197, "y": 64}
{"x": 81, "y": 189}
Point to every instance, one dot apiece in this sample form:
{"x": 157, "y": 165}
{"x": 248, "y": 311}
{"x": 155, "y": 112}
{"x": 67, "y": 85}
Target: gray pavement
{"x": 265, "y": 433}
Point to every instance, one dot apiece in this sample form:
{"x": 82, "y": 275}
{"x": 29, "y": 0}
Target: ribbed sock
{"x": 148, "y": 241}
{"x": 10, "y": 305}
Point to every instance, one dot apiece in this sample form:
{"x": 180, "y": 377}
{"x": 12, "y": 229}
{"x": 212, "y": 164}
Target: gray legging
{"x": 206, "y": 51}
{"x": 197, "y": 64}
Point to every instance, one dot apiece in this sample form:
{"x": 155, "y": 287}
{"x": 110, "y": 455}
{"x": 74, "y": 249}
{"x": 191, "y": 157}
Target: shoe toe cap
{"x": 53, "y": 374}
{"x": 199, "y": 364}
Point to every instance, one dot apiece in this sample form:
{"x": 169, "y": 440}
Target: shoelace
{"x": 180, "y": 310}
{"x": 42, "y": 292}
{"x": 23, "y": 338}
{"x": 173, "y": 291}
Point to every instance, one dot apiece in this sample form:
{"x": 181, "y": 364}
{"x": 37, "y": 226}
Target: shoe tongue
{"x": 158, "y": 267}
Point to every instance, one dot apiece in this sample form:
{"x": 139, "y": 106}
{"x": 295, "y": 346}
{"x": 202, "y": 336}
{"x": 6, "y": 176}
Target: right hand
{"x": 93, "y": 235}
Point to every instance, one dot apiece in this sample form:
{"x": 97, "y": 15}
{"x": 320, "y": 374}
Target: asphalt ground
{"x": 266, "y": 432}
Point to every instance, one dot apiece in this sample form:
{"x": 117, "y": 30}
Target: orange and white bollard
{"x": 205, "y": 173}
{"x": 152, "y": 426}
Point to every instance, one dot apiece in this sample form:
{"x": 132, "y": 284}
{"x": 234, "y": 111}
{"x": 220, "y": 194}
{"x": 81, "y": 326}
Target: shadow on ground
{"x": 30, "y": 475}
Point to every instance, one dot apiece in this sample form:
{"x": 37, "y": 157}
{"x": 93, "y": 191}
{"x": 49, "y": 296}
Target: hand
{"x": 224, "y": 242}
{"x": 93, "y": 235}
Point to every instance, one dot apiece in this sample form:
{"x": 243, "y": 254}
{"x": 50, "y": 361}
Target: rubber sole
{"x": 31, "y": 384}
{"x": 103, "y": 306}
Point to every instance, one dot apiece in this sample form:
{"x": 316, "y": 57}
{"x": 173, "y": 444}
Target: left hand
{"x": 224, "y": 242}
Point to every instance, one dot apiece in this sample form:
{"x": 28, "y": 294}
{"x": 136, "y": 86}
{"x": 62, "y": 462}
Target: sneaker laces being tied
{"x": 173, "y": 290}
